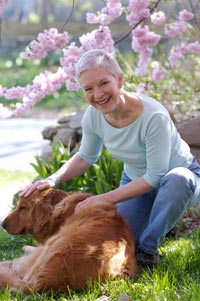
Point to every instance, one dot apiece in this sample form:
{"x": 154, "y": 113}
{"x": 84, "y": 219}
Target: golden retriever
{"x": 76, "y": 248}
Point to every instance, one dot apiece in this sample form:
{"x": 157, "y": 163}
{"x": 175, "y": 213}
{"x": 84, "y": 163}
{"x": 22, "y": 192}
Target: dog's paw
{"x": 28, "y": 249}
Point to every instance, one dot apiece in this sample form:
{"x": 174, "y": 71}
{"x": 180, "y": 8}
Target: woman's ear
{"x": 120, "y": 81}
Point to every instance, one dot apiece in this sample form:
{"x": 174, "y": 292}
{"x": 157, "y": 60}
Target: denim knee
{"x": 180, "y": 181}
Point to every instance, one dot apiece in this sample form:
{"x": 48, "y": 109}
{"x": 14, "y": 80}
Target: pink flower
{"x": 14, "y": 92}
{"x": 110, "y": 12}
{"x": 194, "y": 47}
{"x": 92, "y": 18}
{"x": 144, "y": 59}
{"x": 158, "y": 74}
{"x": 46, "y": 41}
{"x": 138, "y": 11}
{"x": 185, "y": 15}
{"x": 142, "y": 37}
{"x": 175, "y": 55}
{"x": 72, "y": 85}
{"x": 99, "y": 38}
{"x": 68, "y": 62}
{"x": 142, "y": 40}
{"x": 144, "y": 88}
{"x": 158, "y": 18}
{"x": 181, "y": 50}
{"x": 175, "y": 29}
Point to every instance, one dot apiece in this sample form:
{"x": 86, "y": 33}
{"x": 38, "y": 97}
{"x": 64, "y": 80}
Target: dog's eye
{"x": 22, "y": 208}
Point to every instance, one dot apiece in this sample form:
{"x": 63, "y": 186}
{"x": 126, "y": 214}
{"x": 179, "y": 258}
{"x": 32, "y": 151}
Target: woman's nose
{"x": 98, "y": 94}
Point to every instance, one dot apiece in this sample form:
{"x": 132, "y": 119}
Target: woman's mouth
{"x": 102, "y": 102}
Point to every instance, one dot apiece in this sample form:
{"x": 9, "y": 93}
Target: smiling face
{"x": 101, "y": 89}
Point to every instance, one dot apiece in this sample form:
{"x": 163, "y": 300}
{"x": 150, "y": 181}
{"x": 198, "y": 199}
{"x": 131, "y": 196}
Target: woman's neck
{"x": 128, "y": 110}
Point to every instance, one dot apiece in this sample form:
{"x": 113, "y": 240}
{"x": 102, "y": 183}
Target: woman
{"x": 161, "y": 178}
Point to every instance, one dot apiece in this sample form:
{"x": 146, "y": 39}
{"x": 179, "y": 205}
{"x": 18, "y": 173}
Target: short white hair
{"x": 96, "y": 58}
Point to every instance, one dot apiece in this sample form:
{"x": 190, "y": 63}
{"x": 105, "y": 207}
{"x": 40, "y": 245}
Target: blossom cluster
{"x": 43, "y": 84}
{"x": 180, "y": 51}
{"x": 144, "y": 40}
{"x": 109, "y": 13}
{"x": 47, "y": 40}
{"x": 138, "y": 10}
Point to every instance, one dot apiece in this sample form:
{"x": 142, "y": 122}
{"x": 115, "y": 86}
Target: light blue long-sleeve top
{"x": 149, "y": 147}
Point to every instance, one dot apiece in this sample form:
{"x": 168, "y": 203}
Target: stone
{"x": 65, "y": 118}
{"x": 75, "y": 121}
{"x": 67, "y": 136}
{"x": 196, "y": 152}
{"x": 190, "y": 131}
{"x": 50, "y": 131}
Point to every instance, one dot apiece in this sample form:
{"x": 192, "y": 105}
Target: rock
{"x": 66, "y": 118}
{"x": 196, "y": 152}
{"x": 75, "y": 121}
{"x": 49, "y": 132}
{"x": 190, "y": 131}
{"x": 67, "y": 136}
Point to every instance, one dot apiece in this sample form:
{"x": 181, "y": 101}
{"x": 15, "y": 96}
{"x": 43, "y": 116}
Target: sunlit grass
{"x": 176, "y": 277}
{"x": 9, "y": 177}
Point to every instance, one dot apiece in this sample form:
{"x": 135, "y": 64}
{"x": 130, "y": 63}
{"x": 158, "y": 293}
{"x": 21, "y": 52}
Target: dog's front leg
{"x": 28, "y": 249}
{"x": 8, "y": 277}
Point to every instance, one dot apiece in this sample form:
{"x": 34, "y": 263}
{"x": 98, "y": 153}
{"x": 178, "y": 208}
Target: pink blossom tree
{"x": 148, "y": 25}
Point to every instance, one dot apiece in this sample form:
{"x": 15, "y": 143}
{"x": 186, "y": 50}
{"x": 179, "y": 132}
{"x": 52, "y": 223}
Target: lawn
{"x": 176, "y": 277}
{"x": 9, "y": 177}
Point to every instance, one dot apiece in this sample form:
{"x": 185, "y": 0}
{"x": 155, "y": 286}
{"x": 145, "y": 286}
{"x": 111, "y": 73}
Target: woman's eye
{"x": 88, "y": 89}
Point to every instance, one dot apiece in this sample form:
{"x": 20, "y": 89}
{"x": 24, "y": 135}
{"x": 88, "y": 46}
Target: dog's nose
{"x": 3, "y": 223}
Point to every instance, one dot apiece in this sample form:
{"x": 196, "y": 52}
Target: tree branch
{"x": 195, "y": 15}
{"x": 70, "y": 15}
{"x": 132, "y": 28}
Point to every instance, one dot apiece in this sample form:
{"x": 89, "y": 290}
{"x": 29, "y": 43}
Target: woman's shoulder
{"x": 92, "y": 119}
{"x": 91, "y": 114}
{"x": 151, "y": 105}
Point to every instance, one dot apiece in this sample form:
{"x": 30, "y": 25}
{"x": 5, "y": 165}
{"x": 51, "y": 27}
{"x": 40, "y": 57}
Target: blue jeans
{"x": 152, "y": 215}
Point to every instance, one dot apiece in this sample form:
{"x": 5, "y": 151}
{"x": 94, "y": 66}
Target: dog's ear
{"x": 42, "y": 214}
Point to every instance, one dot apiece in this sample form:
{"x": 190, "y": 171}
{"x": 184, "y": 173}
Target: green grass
{"x": 9, "y": 177}
{"x": 176, "y": 277}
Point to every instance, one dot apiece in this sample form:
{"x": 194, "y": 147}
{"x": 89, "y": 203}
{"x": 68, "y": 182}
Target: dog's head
{"x": 42, "y": 213}
{"x": 33, "y": 212}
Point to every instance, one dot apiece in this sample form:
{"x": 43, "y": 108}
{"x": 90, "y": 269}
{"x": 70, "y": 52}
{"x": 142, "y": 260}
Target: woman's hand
{"x": 40, "y": 185}
{"x": 93, "y": 200}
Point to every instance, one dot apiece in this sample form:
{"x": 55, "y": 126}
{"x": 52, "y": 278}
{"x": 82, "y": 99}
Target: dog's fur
{"x": 76, "y": 247}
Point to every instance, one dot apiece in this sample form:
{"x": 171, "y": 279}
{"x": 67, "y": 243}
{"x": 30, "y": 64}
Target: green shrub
{"x": 101, "y": 177}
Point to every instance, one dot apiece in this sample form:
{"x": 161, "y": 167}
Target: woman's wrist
{"x": 111, "y": 197}
{"x": 56, "y": 179}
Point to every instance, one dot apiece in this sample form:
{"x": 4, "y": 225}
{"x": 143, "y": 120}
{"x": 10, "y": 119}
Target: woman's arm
{"x": 120, "y": 194}
{"x": 74, "y": 167}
